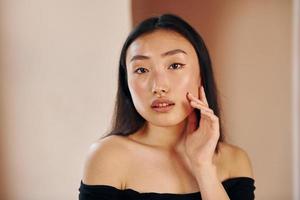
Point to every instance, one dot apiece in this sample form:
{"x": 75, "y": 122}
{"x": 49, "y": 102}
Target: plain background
{"x": 58, "y": 81}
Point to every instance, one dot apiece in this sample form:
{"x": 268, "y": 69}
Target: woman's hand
{"x": 200, "y": 144}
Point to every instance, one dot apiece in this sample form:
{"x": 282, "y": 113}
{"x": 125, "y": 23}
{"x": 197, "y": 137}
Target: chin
{"x": 166, "y": 119}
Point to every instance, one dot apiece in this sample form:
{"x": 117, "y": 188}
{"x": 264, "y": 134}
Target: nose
{"x": 160, "y": 91}
{"x": 160, "y": 86}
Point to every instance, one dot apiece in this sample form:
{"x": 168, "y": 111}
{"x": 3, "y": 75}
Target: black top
{"x": 237, "y": 188}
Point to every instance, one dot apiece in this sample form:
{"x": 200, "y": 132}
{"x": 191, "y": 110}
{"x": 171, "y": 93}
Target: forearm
{"x": 210, "y": 186}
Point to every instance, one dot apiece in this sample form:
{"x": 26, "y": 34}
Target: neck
{"x": 166, "y": 138}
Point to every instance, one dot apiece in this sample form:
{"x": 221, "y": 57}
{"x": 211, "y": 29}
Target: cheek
{"x": 138, "y": 92}
{"x": 187, "y": 83}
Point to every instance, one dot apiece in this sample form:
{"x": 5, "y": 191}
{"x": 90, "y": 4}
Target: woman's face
{"x": 152, "y": 71}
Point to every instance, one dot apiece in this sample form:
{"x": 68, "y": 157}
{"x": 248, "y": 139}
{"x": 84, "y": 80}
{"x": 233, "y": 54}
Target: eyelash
{"x": 170, "y": 65}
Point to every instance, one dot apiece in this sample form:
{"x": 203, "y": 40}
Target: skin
{"x": 151, "y": 71}
{"x": 148, "y": 76}
{"x": 163, "y": 130}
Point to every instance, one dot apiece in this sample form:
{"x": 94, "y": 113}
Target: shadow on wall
{"x": 143, "y": 9}
{"x": 3, "y": 161}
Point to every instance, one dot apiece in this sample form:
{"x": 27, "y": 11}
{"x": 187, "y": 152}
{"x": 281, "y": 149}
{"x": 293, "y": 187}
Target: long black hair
{"x": 126, "y": 120}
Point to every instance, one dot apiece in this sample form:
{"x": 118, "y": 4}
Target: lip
{"x": 167, "y": 108}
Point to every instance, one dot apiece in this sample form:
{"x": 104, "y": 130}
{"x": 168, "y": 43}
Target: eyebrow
{"x": 168, "y": 53}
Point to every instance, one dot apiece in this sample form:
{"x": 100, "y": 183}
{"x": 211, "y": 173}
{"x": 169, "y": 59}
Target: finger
{"x": 201, "y": 103}
{"x": 203, "y": 95}
{"x": 192, "y": 97}
{"x": 209, "y": 117}
{"x": 202, "y": 107}
{"x": 202, "y": 111}
{"x": 205, "y": 117}
{"x": 197, "y": 103}
{"x": 205, "y": 111}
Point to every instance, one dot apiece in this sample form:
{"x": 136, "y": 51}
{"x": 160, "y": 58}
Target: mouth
{"x": 163, "y": 107}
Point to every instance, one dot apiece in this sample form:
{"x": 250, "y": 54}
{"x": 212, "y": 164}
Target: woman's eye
{"x": 141, "y": 69}
{"x": 177, "y": 65}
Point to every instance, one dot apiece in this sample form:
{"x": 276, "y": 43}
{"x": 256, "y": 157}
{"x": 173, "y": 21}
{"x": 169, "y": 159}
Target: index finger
{"x": 202, "y": 95}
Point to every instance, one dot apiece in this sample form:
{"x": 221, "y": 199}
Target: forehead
{"x": 158, "y": 42}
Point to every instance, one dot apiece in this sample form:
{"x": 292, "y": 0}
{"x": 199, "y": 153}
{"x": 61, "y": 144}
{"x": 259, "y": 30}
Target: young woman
{"x": 166, "y": 140}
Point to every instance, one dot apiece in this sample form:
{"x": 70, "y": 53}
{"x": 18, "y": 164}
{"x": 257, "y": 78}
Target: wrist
{"x": 206, "y": 172}
{"x": 203, "y": 167}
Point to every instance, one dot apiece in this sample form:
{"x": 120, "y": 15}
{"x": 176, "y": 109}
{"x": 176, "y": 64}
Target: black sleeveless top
{"x": 237, "y": 188}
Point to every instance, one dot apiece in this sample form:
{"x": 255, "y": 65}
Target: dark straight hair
{"x": 126, "y": 120}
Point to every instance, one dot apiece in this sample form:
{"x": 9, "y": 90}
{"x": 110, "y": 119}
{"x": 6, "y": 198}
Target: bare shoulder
{"x": 106, "y": 162}
{"x": 237, "y": 160}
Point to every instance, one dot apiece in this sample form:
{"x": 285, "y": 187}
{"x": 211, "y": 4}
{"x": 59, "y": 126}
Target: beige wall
{"x": 296, "y": 99}
{"x": 258, "y": 94}
{"x": 58, "y": 68}
{"x": 250, "y": 45}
